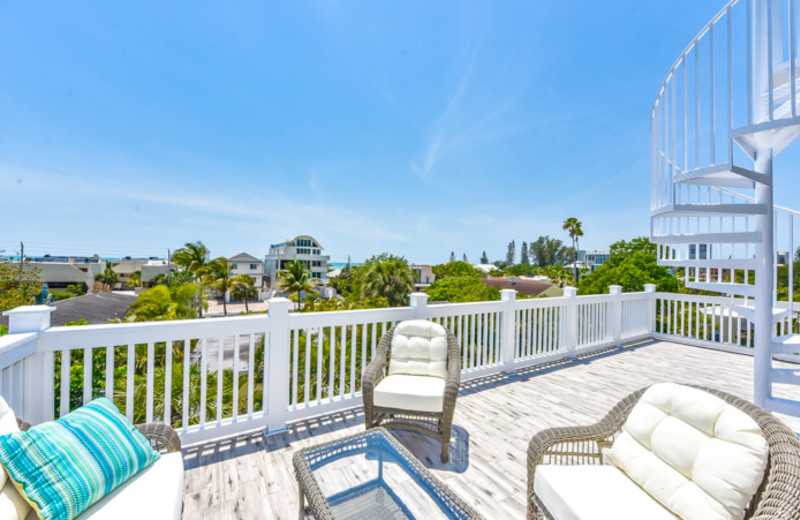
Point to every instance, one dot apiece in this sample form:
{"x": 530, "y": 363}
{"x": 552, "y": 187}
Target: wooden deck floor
{"x": 251, "y": 476}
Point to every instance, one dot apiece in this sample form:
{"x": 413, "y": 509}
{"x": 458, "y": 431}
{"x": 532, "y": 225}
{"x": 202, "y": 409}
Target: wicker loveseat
{"x": 156, "y": 493}
{"x": 773, "y": 476}
{"x": 412, "y": 382}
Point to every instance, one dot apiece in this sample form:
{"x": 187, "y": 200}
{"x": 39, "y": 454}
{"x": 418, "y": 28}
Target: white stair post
{"x": 39, "y": 368}
{"x": 571, "y": 320}
{"x": 615, "y": 291}
{"x": 418, "y": 302}
{"x": 278, "y": 380}
{"x": 508, "y": 331}
{"x": 650, "y": 289}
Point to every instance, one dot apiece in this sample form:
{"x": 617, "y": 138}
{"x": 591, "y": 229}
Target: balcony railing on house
{"x": 211, "y": 378}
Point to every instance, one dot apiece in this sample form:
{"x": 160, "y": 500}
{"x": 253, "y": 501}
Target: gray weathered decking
{"x": 251, "y": 476}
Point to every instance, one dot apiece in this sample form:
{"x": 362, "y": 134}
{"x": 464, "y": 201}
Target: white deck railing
{"x": 265, "y": 371}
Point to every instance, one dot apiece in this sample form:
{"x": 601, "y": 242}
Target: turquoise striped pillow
{"x": 63, "y": 467}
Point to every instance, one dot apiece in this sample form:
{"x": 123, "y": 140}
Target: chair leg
{"x": 445, "y": 432}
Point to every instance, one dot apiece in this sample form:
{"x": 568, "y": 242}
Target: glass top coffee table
{"x": 371, "y": 475}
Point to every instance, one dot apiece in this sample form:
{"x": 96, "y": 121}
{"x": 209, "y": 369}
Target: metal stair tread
{"x": 709, "y": 238}
{"x": 789, "y": 344}
{"x": 710, "y": 209}
{"x": 725, "y": 174}
{"x": 726, "y": 288}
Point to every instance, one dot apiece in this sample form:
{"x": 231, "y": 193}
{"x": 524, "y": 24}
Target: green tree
{"x": 573, "y": 227}
{"x": 192, "y": 257}
{"x": 217, "y": 274}
{"x": 511, "y": 253}
{"x": 161, "y": 303}
{"x": 387, "y": 276}
{"x": 296, "y": 278}
{"x": 18, "y": 286}
{"x": 522, "y": 270}
{"x": 549, "y": 251}
{"x": 524, "y": 254}
{"x": 631, "y": 265}
{"x": 484, "y": 258}
{"x": 135, "y": 280}
{"x": 460, "y": 282}
{"x": 243, "y": 286}
{"x": 452, "y": 256}
{"x": 108, "y": 277}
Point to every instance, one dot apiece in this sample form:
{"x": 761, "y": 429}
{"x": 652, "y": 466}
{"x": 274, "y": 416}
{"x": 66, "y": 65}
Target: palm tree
{"x": 192, "y": 257}
{"x": 388, "y": 277}
{"x": 135, "y": 280}
{"x": 108, "y": 277}
{"x": 573, "y": 227}
{"x": 295, "y": 278}
{"x": 243, "y": 286}
{"x": 217, "y": 273}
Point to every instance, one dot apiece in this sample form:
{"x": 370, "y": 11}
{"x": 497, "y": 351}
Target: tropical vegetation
{"x": 460, "y": 282}
{"x": 632, "y": 265}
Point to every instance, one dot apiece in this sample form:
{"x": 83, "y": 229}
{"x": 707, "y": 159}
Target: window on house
{"x": 253, "y": 267}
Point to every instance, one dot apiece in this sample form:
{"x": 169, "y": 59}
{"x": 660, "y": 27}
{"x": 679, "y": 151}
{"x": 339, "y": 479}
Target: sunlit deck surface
{"x": 251, "y": 476}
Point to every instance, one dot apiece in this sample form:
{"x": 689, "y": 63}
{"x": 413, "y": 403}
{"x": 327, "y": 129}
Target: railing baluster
{"x": 220, "y": 378}
{"x": 149, "y": 378}
{"x": 168, "y": 383}
{"x": 110, "y": 373}
{"x": 204, "y": 380}
{"x": 235, "y": 377}
{"x": 65, "y": 382}
{"x": 87, "y": 375}
{"x": 130, "y": 369}
{"x": 295, "y": 360}
{"x": 309, "y": 347}
{"x": 187, "y": 361}
{"x": 251, "y": 374}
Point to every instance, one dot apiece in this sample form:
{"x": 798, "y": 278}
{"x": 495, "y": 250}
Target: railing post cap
{"x": 649, "y": 287}
{"x": 279, "y": 304}
{"x": 29, "y": 309}
{"x": 29, "y": 318}
{"x": 614, "y": 289}
{"x": 508, "y": 295}
{"x": 570, "y": 292}
{"x": 418, "y": 299}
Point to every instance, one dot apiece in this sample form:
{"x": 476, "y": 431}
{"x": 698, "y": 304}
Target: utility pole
{"x": 21, "y": 254}
{"x": 169, "y": 266}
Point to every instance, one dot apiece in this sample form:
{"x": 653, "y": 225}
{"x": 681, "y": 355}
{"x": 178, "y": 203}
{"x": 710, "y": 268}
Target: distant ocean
{"x": 340, "y": 265}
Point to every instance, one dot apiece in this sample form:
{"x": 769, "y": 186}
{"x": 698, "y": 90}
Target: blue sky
{"x": 410, "y": 127}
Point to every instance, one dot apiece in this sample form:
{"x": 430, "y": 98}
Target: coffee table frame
{"x": 309, "y": 489}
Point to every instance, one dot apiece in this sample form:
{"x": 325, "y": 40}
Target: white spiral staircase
{"x": 728, "y": 106}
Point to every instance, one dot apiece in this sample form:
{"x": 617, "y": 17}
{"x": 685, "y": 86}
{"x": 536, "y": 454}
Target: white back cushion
{"x": 696, "y": 454}
{"x": 419, "y": 348}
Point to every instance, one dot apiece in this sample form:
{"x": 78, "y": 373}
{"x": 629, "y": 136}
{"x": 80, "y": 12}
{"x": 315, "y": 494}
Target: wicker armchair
{"x": 437, "y": 424}
{"x": 161, "y": 436}
{"x": 778, "y": 497}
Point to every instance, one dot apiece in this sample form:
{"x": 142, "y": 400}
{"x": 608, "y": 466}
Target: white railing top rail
{"x": 682, "y": 56}
{"x": 752, "y": 199}
{"x": 16, "y": 347}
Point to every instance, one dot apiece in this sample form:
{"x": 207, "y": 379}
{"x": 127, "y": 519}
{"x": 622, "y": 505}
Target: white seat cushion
{"x": 156, "y": 493}
{"x": 12, "y": 505}
{"x": 419, "y": 393}
{"x": 419, "y": 348}
{"x": 594, "y": 492}
{"x": 696, "y": 454}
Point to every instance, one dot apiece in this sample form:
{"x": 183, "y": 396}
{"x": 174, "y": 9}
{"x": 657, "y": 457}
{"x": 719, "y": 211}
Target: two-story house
{"x": 244, "y": 263}
{"x": 303, "y": 248}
